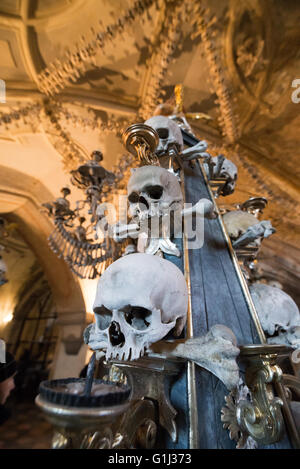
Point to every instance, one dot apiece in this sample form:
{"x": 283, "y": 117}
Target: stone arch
{"x": 21, "y": 197}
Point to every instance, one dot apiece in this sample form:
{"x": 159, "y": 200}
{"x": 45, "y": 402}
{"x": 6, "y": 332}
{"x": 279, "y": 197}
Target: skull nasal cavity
{"x": 144, "y": 202}
{"x": 115, "y": 334}
{"x": 163, "y": 133}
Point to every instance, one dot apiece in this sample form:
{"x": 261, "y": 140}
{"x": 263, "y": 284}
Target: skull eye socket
{"x": 137, "y": 317}
{"x": 155, "y": 192}
{"x": 163, "y": 133}
{"x": 103, "y": 317}
{"x": 134, "y": 197}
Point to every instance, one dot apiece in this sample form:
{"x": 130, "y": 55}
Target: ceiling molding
{"x": 26, "y": 91}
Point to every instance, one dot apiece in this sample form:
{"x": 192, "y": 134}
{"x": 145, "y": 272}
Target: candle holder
{"x": 141, "y": 141}
{"x": 82, "y": 421}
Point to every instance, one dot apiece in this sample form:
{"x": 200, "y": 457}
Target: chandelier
{"x": 74, "y": 237}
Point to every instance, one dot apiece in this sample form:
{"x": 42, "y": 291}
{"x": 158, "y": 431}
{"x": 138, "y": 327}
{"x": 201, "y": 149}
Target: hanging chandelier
{"x": 74, "y": 237}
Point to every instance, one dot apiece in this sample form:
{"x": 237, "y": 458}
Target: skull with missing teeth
{"x": 277, "y": 312}
{"x": 153, "y": 191}
{"x": 169, "y": 134}
{"x": 139, "y": 299}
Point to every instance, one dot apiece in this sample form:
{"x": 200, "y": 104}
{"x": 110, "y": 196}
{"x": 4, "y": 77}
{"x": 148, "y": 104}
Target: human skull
{"x": 228, "y": 170}
{"x": 237, "y": 222}
{"x": 291, "y": 338}
{"x": 139, "y": 299}
{"x": 169, "y": 134}
{"x": 153, "y": 191}
{"x": 277, "y": 311}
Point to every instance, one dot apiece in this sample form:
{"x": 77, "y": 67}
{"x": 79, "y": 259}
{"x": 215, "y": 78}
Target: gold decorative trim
{"x": 235, "y": 261}
{"x": 262, "y": 418}
{"x": 191, "y": 374}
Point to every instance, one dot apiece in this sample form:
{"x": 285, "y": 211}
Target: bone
{"x": 204, "y": 208}
{"x": 291, "y": 338}
{"x": 237, "y": 222}
{"x": 196, "y": 151}
{"x": 254, "y": 233}
{"x": 121, "y": 232}
{"x": 216, "y": 352}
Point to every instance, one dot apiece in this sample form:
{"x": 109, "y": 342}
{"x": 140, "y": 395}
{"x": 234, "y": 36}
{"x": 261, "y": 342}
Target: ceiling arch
{"x": 20, "y": 199}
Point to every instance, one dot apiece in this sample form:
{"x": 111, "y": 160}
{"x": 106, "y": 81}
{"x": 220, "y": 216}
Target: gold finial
{"x": 179, "y": 95}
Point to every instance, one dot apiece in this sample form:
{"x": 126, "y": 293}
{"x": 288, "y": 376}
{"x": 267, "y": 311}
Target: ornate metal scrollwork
{"x": 83, "y": 427}
{"x": 141, "y": 140}
{"x": 149, "y": 379}
{"x": 262, "y": 418}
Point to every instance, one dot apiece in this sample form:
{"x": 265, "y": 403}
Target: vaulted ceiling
{"x": 78, "y": 71}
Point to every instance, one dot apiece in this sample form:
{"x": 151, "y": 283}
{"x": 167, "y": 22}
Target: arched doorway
{"x": 59, "y": 299}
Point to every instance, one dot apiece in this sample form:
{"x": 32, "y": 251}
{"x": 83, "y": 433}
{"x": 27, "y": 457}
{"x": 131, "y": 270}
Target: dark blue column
{"x": 217, "y": 298}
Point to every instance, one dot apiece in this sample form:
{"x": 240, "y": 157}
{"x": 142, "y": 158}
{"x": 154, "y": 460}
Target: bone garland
{"x": 139, "y": 299}
{"x": 93, "y": 122}
{"x": 28, "y": 114}
{"x": 203, "y": 27}
{"x": 58, "y": 75}
{"x": 216, "y": 352}
{"x": 48, "y": 114}
{"x": 61, "y": 140}
{"x": 165, "y": 45}
{"x": 84, "y": 259}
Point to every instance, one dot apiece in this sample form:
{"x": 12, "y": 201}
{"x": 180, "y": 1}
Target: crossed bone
{"x": 216, "y": 352}
{"x": 203, "y": 208}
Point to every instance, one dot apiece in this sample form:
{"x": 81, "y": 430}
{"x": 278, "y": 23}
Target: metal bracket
{"x": 262, "y": 419}
{"x": 150, "y": 378}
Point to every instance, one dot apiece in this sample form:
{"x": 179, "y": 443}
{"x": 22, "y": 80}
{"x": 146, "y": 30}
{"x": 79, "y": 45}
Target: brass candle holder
{"x": 80, "y": 421}
{"x": 141, "y": 141}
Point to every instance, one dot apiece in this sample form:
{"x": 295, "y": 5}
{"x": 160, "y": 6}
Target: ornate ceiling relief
{"x": 60, "y": 73}
{"x": 128, "y": 62}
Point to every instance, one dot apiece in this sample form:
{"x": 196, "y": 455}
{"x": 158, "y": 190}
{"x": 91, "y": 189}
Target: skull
{"x": 277, "y": 311}
{"x": 291, "y": 338}
{"x": 139, "y": 299}
{"x": 169, "y": 134}
{"x": 153, "y": 191}
{"x": 237, "y": 222}
{"x": 229, "y": 171}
